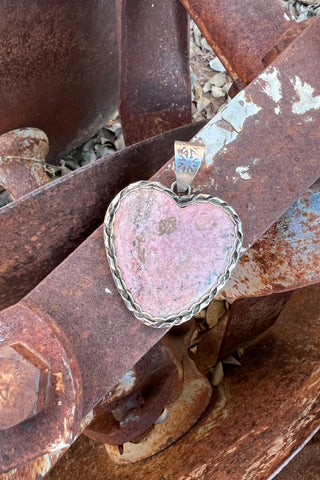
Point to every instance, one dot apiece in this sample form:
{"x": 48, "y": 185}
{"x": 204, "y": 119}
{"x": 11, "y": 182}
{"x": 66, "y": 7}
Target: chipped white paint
{"x": 277, "y": 110}
{"x": 243, "y": 172}
{"x": 226, "y": 126}
{"x": 239, "y": 110}
{"x": 108, "y": 291}
{"x": 306, "y": 100}
{"x": 61, "y": 445}
{"x": 255, "y": 161}
{"x": 272, "y": 85}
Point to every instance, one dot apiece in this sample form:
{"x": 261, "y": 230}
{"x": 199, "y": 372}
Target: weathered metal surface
{"x": 24, "y": 384}
{"x": 41, "y": 229}
{"x": 262, "y": 149}
{"x": 56, "y": 425}
{"x": 131, "y": 409}
{"x": 286, "y": 257}
{"x": 59, "y": 68}
{"x": 241, "y": 33}
{"x": 154, "y": 67}
{"x": 38, "y": 468}
{"x": 250, "y": 317}
{"x": 189, "y": 396}
{"x": 22, "y": 153}
{"x": 260, "y": 415}
{"x": 262, "y": 153}
{"x": 284, "y": 41}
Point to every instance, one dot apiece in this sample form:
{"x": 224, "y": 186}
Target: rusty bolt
{"x": 24, "y": 385}
{"x": 22, "y": 155}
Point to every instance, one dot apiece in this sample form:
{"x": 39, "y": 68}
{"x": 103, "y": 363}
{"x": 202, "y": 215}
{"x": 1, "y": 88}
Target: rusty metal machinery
{"x": 86, "y": 363}
{"x": 57, "y": 62}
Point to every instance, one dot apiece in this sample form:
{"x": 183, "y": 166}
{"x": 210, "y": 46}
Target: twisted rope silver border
{"x": 182, "y": 201}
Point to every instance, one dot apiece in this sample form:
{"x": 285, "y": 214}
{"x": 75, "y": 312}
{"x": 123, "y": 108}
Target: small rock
{"x": 217, "y": 374}
{"x": 205, "y": 45}
{"x": 226, "y": 87}
{"x": 292, "y": 10}
{"x": 197, "y": 90}
{"x": 115, "y": 128}
{"x": 197, "y": 35}
{"x": 92, "y": 157}
{"x": 200, "y": 315}
{"x": 303, "y": 16}
{"x": 72, "y": 164}
{"x": 193, "y": 79}
{"x": 215, "y": 311}
{"x": 217, "y": 92}
{"x": 107, "y": 151}
{"x": 119, "y": 142}
{"x": 216, "y": 65}
{"x": 218, "y": 80}
{"x": 206, "y": 87}
{"x": 4, "y": 198}
{"x": 231, "y": 360}
{"x": 202, "y": 104}
{"x": 88, "y": 146}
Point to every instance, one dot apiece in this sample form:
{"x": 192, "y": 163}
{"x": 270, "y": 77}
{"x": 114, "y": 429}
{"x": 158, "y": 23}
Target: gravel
{"x": 302, "y": 10}
{"x": 210, "y": 82}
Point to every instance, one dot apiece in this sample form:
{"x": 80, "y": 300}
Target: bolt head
{"x": 24, "y": 384}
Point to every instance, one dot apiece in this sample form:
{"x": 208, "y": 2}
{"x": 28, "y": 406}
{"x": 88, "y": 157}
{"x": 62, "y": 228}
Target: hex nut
{"x": 24, "y": 384}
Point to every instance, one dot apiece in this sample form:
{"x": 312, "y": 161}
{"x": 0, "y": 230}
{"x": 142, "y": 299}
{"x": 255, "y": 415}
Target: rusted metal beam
{"x": 270, "y": 126}
{"x": 59, "y": 68}
{"x": 260, "y": 415}
{"x": 286, "y": 257}
{"x": 256, "y": 159}
{"x": 242, "y": 33}
{"x": 39, "y": 230}
{"x": 154, "y": 67}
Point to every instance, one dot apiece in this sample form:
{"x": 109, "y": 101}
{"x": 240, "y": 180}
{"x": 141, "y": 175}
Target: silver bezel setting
{"x": 182, "y": 201}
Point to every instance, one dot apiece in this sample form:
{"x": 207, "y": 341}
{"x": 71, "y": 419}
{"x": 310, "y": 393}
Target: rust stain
{"x": 259, "y": 407}
{"x": 69, "y": 226}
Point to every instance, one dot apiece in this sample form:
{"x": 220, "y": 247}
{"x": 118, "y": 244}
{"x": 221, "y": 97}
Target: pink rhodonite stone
{"x": 170, "y": 256}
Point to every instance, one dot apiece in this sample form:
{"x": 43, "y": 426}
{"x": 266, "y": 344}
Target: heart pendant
{"x": 169, "y": 255}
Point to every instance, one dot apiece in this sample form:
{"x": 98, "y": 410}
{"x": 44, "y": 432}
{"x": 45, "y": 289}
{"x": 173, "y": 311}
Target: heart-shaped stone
{"x": 169, "y": 255}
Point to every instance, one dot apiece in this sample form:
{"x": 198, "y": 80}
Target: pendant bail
{"x": 188, "y": 159}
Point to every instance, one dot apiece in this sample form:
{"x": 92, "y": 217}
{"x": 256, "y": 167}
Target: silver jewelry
{"x": 138, "y": 234}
